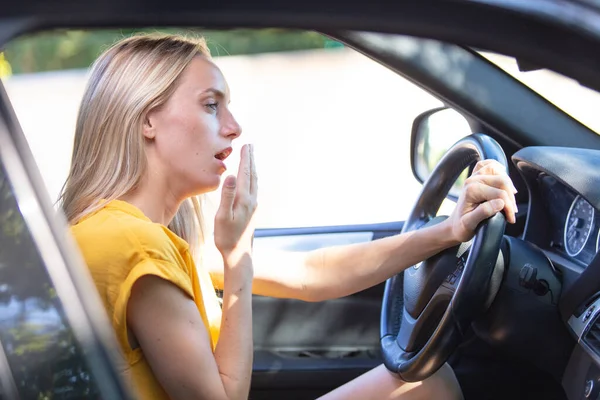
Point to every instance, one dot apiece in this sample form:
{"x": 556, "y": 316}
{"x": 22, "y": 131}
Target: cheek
{"x": 194, "y": 150}
{"x": 198, "y": 141}
{"x": 186, "y": 134}
{"x": 186, "y": 145}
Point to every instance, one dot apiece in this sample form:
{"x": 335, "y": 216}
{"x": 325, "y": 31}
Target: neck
{"x": 155, "y": 200}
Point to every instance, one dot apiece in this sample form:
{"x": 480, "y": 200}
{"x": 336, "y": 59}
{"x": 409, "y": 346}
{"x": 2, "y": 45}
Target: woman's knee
{"x": 443, "y": 384}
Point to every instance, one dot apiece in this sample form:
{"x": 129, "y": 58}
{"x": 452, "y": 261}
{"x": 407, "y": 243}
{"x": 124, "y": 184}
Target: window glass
{"x": 331, "y": 127}
{"x": 580, "y": 102}
{"x": 43, "y": 355}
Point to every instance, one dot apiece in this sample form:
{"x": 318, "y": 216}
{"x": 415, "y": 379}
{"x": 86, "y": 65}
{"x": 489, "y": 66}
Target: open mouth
{"x": 223, "y": 154}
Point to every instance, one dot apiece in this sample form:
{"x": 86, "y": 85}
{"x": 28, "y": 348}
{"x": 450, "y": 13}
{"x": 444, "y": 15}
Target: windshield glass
{"x": 579, "y": 102}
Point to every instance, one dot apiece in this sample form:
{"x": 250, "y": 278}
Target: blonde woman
{"x": 152, "y": 132}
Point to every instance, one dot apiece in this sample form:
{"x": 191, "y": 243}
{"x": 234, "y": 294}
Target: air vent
{"x": 592, "y": 337}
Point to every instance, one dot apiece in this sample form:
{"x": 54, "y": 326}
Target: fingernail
{"x": 230, "y": 181}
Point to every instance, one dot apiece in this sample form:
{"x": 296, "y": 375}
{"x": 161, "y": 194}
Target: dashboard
{"x": 575, "y": 223}
{"x": 564, "y": 207}
{"x": 563, "y": 221}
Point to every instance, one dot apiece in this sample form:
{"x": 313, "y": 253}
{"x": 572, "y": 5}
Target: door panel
{"x": 304, "y": 349}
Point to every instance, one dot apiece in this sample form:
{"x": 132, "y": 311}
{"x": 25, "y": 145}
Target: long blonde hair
{"x": 132, "y": 77}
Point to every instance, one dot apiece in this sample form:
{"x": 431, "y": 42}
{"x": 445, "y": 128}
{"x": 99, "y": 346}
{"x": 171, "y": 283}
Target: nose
{"x": 230, "y": 127}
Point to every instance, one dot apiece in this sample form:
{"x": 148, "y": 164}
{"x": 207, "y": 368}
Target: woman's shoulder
{"x": 111, "y": 234}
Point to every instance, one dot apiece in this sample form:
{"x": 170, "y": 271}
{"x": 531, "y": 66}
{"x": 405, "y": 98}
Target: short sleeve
{"x": 160, "y": 268}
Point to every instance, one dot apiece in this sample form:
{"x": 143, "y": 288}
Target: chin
{"x": 207, "y": 186}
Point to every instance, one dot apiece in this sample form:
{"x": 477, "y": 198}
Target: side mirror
{"x": 433, "y": 133}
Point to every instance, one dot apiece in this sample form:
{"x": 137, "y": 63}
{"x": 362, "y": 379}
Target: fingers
{"x": 502, "y": 182}
{"x": 477, "y": 192}
{"x": 253, "y": 174}
{"x": 488, "y": 166}
{"x": 483, "y": 211}
{"x": 498, "y": 181}
{"x": 247, "y": 176}
{"x": 491, "y": 172}
{"x": 227, "y": 197}
{"x": 244, "y": 171}
{"x": 234, "y": 219}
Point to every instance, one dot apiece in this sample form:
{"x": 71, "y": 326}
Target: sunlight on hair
{"x": 132, "y": 77}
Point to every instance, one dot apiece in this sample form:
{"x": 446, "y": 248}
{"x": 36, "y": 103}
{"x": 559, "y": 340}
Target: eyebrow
{"x": 214, "y": 91}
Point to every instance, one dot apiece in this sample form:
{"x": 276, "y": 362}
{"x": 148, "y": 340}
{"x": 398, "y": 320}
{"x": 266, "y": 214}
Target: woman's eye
{"x": 213, "y": 106}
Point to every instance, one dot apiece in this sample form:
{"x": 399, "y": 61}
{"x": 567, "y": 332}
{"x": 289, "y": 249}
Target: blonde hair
{"x": 132, "y": 77}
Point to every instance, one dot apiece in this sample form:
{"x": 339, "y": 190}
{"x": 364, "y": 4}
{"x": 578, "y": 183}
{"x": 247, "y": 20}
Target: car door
{"x": 303, "y": 349}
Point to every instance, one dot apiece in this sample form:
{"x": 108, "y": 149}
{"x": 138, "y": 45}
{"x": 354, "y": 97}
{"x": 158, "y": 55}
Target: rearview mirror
{"x": 433, "y": 133}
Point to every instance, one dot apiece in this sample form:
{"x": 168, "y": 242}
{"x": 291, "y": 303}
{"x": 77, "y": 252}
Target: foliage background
{"x": 67, "y": 49}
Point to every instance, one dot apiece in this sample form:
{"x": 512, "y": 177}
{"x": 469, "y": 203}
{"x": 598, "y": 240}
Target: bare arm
{"x": 342, "y": 270}
{"x": 339, "y": 271}
{"x": 359, "y": 266}
{"x": 169, "y": 328}
{"x": 175, "y": 341}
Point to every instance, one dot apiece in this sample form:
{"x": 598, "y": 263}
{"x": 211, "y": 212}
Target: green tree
{"x": 66, "y": 49}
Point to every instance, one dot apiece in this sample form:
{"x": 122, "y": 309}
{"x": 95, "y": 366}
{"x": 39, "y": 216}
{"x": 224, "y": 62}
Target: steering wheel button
{"x": 452, "y": 280}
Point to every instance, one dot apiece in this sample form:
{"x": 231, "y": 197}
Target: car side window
{"x": 331, "y": 127}
{"x": 37, "y": 342}
{"x": 331, "y": 130}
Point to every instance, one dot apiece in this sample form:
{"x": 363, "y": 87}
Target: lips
{"x": 222, "y": 155}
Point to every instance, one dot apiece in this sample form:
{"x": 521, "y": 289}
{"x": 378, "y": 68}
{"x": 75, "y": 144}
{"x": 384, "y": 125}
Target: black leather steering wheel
{"x": 427, "y": 308}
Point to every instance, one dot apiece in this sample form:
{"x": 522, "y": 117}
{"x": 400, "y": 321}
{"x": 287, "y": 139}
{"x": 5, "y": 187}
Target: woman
{"x": 152, "y": 132}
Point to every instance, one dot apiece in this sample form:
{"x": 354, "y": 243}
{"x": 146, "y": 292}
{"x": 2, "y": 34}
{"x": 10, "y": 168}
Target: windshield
{"x": 579, "y": 102}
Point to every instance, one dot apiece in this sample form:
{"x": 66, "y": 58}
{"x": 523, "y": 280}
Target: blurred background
{"x": 331, "y": 128}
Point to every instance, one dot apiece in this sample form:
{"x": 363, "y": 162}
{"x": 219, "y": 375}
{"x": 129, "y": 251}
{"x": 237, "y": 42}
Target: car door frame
{"x": 60, "y": 256}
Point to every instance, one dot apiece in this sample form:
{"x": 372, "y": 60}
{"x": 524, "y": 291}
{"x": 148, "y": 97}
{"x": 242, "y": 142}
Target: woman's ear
{"x": 148, "y": 129}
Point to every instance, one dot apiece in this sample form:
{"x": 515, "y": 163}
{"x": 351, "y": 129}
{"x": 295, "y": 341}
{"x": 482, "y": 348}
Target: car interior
{"x": 402, "y": 117}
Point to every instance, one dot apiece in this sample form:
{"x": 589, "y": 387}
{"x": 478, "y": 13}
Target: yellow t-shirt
{"x": 120, "y": 245}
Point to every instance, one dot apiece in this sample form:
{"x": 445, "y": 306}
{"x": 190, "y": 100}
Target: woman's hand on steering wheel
{"x": 487, "y": 191}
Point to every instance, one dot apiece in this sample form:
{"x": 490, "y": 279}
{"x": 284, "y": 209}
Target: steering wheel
{"x": 427, "y": 308}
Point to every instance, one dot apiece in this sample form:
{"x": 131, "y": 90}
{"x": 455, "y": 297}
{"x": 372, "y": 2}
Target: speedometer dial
{"x": 578, "y": 226}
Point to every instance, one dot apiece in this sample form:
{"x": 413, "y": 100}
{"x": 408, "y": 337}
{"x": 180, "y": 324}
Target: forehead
{"x": 202, "y": 74}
